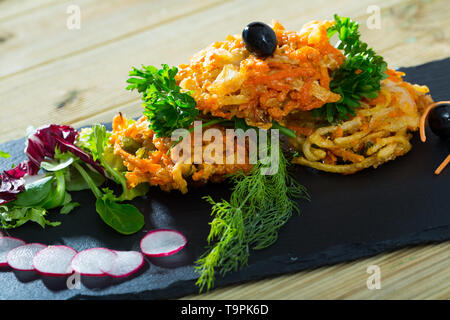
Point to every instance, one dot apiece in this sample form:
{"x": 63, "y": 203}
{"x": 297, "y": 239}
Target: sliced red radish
{"x": 21, "y": 257}
{"x": 92, "y": 262}
{"x": 54, "y": 260}
{"x": 125, "y": 264}
{"x": 162, "y": 242}
{"x": 7, "y": 244}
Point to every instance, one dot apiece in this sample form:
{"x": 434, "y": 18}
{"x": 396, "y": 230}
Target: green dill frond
{"x": 258, "y": 207}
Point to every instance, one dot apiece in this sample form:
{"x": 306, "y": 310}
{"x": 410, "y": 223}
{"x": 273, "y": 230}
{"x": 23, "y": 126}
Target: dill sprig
{"x": 258, "y": 207}
{"x": 359, "y": 76}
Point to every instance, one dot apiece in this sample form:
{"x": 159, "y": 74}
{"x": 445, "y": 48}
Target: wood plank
{"x": 90, "y": 86}
{"x": 10, "y": 9}
{"x": 42, "y": 36}
{"x": 419, "y": 272}
{"x": 72, "y": 89}
{"x": 412, "y": 33}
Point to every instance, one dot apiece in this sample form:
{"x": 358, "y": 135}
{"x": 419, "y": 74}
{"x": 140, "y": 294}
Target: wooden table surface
{"x": 50, "y": 73}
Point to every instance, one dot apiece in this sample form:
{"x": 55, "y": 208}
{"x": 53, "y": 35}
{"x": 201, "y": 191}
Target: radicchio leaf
{"x": 12, "y": 183}
{"x": 42, "y": 144}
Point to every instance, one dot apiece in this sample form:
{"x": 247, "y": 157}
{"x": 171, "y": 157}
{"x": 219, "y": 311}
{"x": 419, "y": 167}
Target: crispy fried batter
{"x": 227, "y": 80}
{"x": 148, "y": 159}
{"x": 380, "y": 131}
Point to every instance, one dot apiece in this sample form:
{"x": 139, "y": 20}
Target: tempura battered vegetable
{"x": 380, "y": 131}
{"x": 228, "y": 81}
{"x": 156, "y": 162}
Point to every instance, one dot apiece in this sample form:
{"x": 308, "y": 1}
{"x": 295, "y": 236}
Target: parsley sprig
{"x": 359, "y": 76}
{"x": 166, "y": 107}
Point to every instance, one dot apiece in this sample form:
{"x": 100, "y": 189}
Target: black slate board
{"x": 401, "y": 203}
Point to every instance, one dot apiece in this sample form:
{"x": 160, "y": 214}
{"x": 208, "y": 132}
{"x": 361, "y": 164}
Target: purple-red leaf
{"x": 11, "y": 184}
{"x": 42, "y": 144}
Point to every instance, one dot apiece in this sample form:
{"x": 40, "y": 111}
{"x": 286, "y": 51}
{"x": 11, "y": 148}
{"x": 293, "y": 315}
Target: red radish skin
{"x": 7, "y": 244}
{"x": 162, "y": 242}
{"x": 54, "y": 261}
{"x": 125, "y": 264}
{"x": 21, "y": 257}
{"x": 92, "y": 262}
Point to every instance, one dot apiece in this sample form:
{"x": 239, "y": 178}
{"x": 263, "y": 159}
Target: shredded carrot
{"x": 442, "y": 165}
{"x": 338, "y": 133}
{"x": 226, "y": 80}
{"x": 330, "y": 158}
{"x": 423, "y": 118}
{"x": 394, "y": 75}
{"x": 347, "y": 155}
{"x": 396, "y": 113}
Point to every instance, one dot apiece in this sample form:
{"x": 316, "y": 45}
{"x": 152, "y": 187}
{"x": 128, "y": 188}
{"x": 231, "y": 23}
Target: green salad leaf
{"x": 13, "y": 217}
{"x": 45, "y": 193}
{"x": 95, "y": 141}
{"x": 35, "y": 193}
{"x": 124, "y": 218}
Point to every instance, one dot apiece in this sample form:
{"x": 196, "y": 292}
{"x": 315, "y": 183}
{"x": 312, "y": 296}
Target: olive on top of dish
{"x": 439, "y": 121}
{"x": 260, "y": 39}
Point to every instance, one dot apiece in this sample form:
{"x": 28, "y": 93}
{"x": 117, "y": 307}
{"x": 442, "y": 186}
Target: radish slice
{"x": 162, "y": 242}
{"x": 21, "y": 257}
{"x": 92, "y": 262}
{"x": 126, "y": 263}
{"x": 7, "y": 244}
{"x": 54, "y": 261}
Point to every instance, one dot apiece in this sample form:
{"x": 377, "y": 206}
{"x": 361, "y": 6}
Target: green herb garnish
{"x": 258, "y": 207}
{"x": 359, "y": 76}
{"x": 166, "y": 107}
{"x": 124, "y": 218}
{"x": 4, "y": 154}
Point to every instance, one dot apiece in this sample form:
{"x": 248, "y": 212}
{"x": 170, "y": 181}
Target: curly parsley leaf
{"x": 166, "y": 107}
{"x": 359, "y": 76}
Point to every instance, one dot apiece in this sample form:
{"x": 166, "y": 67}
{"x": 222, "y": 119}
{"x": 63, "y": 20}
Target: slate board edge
{"x": 283, "y": 265}
{"x": 330, "y": 256}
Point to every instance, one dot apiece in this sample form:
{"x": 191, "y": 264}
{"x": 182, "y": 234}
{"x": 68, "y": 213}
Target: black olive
{"x": 439, "y": 121}
{"x": 259, "y": 39}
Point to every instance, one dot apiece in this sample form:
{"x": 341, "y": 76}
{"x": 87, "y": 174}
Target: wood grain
{"x": 10, "y": 9}
{"x": 32, "y": 43}
{"x": 51, "y": 74}
{"x": 419, "y": 272}
{"x": 97, "y": 76}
